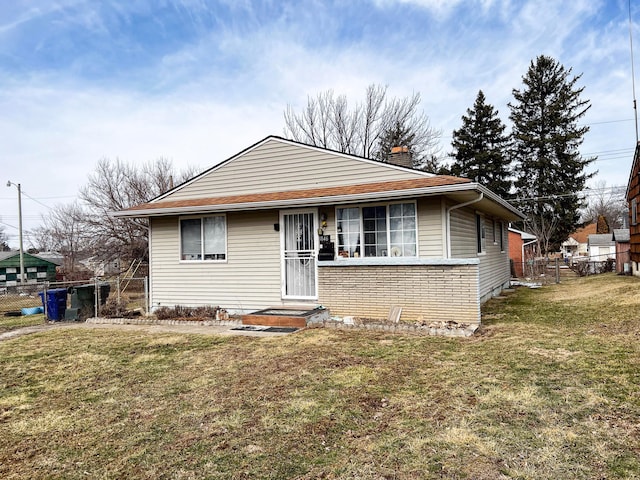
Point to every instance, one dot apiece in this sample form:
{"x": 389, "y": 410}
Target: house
{"x": 633, "y": 198}
{"x": 36, "y": 269}
{"x": 577, "y": 243}
{"x": 287, "y": 224}
{"x": 621, "y": 239}
{"x": 601, "y": 247}
{"x": 521, "y": 249}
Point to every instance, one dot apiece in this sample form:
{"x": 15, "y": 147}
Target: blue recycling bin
{"x": 56, "y": 303}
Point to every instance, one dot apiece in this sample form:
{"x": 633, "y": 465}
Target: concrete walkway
{"x": 183, "y": 329}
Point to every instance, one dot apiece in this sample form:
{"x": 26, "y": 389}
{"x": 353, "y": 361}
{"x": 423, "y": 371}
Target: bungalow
{"x": 36, "y": 269}
{"x": 287, "y": 224}
{"x": 577, "y": 245}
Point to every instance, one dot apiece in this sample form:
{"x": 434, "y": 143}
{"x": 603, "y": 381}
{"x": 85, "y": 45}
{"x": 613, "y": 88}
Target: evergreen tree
{"x": 550, "y": 172}
{"x": 602, "y": 226}
{"x": 396, "y": 135}
{"x": 400, "y": 135}
{"x": 480, "y": 148}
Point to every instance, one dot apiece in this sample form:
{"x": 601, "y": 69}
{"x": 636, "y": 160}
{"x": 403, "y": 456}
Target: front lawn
{"x": 549, "y": 388}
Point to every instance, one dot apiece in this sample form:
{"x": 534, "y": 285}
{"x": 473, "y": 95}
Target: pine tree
{"x": 550, "y": 171}
{"x": 397, "y": 135}
{"x": 602, "y": 226}
{"x": 480, "y": 148}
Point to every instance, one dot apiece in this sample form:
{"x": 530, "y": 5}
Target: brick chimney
{"x": 401, "y": 156}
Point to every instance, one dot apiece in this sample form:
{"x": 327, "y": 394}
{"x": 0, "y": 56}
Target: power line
{"x": 37, "y": 201}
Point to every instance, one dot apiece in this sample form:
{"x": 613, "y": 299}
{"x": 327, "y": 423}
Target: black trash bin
{"x": 83, "y": 299}
{"x": 56, "y": 303}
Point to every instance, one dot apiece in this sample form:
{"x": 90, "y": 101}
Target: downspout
{"x": 448, "y": 215}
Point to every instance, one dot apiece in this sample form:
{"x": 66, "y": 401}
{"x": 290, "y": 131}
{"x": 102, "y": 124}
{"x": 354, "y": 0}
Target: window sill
{"x": 394, "y": 261}
{"x": 196, "y": 262}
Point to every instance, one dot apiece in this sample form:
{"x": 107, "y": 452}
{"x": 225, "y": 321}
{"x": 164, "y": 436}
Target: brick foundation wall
{"x": 427, "y": 292}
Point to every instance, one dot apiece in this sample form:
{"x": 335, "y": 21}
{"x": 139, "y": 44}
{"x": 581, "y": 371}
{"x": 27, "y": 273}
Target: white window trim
{"x": 480, "y": 229}
{"x": 361, "y": 244}
{"x": 501, "y": 241}
{"x": 226, "y": 237}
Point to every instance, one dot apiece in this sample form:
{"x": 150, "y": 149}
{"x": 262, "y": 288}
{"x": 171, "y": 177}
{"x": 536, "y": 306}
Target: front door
{"x": 299, "y": 254}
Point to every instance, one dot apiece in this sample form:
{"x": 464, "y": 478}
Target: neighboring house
{"x": 577, "y": 243}
{"x": 601, "y": 247}
{"x": 621, "y": 239}
{"x": 36, "y": 269}
{"x": 633, "y": 198}
{"x": 521, "y": 249}
{"x": 101, "y": 268}
{"x": 287, "y": 224}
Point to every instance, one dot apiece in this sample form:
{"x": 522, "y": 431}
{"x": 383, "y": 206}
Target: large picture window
{"x": 203, "y": 238}
{"x": 377, "y": 231}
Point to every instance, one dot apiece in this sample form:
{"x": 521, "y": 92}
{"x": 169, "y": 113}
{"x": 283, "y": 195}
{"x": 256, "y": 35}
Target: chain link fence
{"x": 549, "y": 270}
{"x": 77, "y": 300}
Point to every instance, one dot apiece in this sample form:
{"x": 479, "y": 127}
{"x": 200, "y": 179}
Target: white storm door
{"x": 299, "y": 255}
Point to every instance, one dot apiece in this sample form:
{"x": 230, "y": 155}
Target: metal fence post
{"x": 557, "y": 271}
{"x": 118, "y": 288}
{"x": 146, "y": 295}
{"x": 44, "y": 300}
{"x": 95, "y": 296}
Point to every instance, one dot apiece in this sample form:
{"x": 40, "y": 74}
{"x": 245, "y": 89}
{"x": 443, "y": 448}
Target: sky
{"x": 197, "y": 81}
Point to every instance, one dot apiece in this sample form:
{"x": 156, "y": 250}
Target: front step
{"x": 286, "y": 316}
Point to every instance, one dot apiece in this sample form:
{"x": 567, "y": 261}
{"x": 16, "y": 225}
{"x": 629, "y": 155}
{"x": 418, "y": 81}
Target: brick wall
{"x": 428, "y": 292}
{"x": 515, "y": 252}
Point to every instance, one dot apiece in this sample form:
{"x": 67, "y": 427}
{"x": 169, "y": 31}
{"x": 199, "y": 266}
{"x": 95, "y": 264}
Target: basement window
{"x": 203, "y": 238}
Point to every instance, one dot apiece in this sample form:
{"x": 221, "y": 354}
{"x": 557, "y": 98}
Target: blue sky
{"x": 197, "y": 80}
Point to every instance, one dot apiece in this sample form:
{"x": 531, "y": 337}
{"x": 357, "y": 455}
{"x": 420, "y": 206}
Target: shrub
{"x": 180, "y": 311}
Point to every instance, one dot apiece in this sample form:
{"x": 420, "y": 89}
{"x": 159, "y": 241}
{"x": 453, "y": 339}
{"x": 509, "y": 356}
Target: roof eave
{"x": 319, "y": 201}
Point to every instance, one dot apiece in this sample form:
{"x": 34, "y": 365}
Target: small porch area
{"x": 280, "y": 316}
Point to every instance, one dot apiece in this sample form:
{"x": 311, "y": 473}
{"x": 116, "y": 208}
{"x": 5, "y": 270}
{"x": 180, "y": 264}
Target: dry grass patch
{"x": 533, "y": 396}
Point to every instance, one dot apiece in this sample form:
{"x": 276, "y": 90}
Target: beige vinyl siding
{"x": 494, "y": 267}
{"x": 463, "y": 233}
{"x": 430, "y": 241}
{"x": 495, "y": 270}
{"x": 249, "y": 279}
{"x": 277, "y": 166}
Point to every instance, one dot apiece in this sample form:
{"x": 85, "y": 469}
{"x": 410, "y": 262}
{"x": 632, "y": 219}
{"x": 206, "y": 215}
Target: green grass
{"x": 12, "y": 323}
{"x": 549, "y": 388}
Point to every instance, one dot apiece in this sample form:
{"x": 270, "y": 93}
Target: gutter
{"x": 319, "y": 201}
{"x": 448, "y": 218}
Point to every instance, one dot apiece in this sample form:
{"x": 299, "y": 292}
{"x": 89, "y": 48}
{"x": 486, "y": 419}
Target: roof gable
{"x": 582, "y": 234}
{"x": 12, "y": 258}
{"x": 275, "y": 165}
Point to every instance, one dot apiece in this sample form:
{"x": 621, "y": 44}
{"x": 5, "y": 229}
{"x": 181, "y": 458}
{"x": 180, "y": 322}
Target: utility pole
{"x": 9, "y": 183}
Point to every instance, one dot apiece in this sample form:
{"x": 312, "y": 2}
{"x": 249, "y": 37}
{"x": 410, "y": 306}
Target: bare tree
{"x": 365, "y": 129}
{"x": 63, "y": 230}
{"x": 4, "y": 240}
{"x": 86, "y": 229}
{"x": 116, "y": 185}
{"x": 608, "y": 202}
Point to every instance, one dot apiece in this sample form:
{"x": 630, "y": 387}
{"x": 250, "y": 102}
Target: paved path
{"x": 188, "y": 329}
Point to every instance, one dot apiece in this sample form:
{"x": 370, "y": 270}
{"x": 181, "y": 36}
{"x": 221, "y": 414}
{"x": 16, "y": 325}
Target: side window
{"x": 634, "y": 211}
{"x": 203, "y": 238}
{"x": 481, "y": 234}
